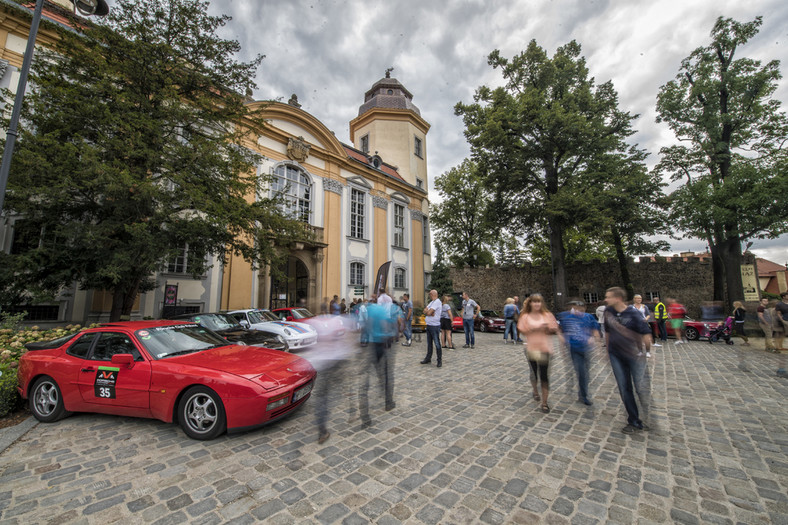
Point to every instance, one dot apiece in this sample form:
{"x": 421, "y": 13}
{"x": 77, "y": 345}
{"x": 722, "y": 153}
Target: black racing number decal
{"x": 104, "y": 386}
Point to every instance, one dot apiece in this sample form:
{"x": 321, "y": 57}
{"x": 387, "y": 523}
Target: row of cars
{"x": 208, "y": 372}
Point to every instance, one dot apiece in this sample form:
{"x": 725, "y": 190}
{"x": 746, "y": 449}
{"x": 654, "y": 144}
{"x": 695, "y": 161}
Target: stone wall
{"x": 688, "y": 279}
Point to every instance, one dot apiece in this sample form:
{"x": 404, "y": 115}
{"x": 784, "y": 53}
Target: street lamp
{"x": 86, "y": 7}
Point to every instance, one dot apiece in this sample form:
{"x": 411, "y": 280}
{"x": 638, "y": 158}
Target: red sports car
{"x": 168, "y": 370}
{"x": 693, "y": 330}
{"x": 489, "y": 321}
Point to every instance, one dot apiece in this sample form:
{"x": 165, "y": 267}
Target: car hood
{"x": 271, "y": 368}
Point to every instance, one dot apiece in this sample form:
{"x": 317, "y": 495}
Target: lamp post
{"x": 86, "y": 7}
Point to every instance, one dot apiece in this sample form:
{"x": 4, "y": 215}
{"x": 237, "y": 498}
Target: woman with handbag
{"x": 537, "y": 325}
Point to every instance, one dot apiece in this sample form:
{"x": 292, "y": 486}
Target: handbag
{"x": 537, "y": 357}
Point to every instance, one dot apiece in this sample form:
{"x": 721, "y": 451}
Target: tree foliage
{"x": 440, "y": 278}
{"x": 133, "y": 148}
{"x": 533, "y": 136}
{"x": 463, "y": 228}
{"x": 732, "y": 158}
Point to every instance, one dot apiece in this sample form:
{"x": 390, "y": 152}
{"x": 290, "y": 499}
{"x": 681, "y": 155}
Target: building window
{"x": 590, "y": 297}
{"x": 417, "y": 146}
{"x": 34, "y": 312}
{"x": 419, "y": 183}
{"x": 365, "y": 143}
{"x": 357, "y": 274}
{"x": 425, "y": 234}
{"x": 649, "y": 296}
{"x": 399, "y": 278}
{"x": 399, "y": 226}
{"x": 357, "y": 198}
{"x": 295, "y": 188}
{"x": 184, "y": 261}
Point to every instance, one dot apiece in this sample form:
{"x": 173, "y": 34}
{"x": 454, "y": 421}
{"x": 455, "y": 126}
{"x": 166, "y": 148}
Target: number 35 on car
{"x": 168, "y": 370}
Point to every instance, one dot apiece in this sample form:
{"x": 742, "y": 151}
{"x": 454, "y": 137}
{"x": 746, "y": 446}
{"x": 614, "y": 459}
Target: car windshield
{"x": 256, "y": 317}
{"x": 168, "y": 341}
{"x": 267, "y": 315}
{"x": 490, "y": 313}
{"x": 217, "y": 322}
{"x": 301, "y": 313}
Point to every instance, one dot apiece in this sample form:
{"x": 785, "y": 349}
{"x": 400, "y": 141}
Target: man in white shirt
{"x": 383, "y": 297}
{"x": 433, "y": 319}
{"x": 469, "y": 311}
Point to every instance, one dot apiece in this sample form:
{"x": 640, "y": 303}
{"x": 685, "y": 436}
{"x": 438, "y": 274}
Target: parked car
{"x": 489, "y": 321}
{"x": 693, "y": 330}
{"x": 327, "y": 326}
{"x": 420, "y": 322}
{"x": 297, "y": 335}
{"x": 228, "y": 327}
{"x": 168, "y": 370}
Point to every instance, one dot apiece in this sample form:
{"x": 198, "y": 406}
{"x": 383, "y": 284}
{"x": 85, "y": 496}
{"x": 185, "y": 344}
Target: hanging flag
{"x": 383, "y": 275}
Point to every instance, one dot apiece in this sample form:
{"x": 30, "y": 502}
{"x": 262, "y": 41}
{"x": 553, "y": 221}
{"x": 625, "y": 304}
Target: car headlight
{"x": 278, "y": 401}
{"x": 287, "y": 332}
{"x": 281, "y": 339}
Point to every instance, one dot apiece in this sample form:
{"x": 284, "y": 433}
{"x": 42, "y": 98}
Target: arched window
{"x": 295, "y": 187}
{"x": 357, "y": 274}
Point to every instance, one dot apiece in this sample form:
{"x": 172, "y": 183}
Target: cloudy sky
{"x": 329, "y": 52}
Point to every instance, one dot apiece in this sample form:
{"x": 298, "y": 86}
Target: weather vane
{"x": 388, "y": 72}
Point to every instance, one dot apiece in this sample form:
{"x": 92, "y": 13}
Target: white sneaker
{"x": 648, "y": 354}
{"x": 656, "y": 344}
{"x": 679, "y": 342}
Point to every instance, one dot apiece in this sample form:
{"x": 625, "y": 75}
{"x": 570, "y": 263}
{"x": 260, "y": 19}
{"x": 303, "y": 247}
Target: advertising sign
{"x": 749, "y": 282}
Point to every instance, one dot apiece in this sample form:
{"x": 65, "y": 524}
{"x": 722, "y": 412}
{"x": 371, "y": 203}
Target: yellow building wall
{"x": 380, "y": 243}
{"x": 394, "y": 140}
{"x": 237, "y": 284}
{"x": 332, "y": 234}
{"x": 417, "y": 271}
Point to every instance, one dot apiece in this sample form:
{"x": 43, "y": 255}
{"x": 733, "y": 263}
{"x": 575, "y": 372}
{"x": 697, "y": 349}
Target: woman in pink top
{"x": 537, "y": 324}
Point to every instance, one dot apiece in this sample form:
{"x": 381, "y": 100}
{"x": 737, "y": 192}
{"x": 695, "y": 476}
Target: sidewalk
{"x": 465, "y": 444}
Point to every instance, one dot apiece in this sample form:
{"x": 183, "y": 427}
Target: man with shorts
{"x": 676, "y": 311}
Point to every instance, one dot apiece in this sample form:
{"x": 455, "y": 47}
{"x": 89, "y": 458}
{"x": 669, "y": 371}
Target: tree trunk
{"x": 623, "y": 264}
{"x": 123, "y": 301}
{"x": 731, "y": 255}
{"x": 718, "y": 270}
{"x": 557, "y": 263}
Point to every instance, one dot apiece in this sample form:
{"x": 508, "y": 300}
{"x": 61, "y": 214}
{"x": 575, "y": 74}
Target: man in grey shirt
{"x": 469, "y": 310}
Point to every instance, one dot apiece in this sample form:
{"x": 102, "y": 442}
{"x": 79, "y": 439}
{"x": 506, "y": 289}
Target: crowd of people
{"x": 623, "y": 328}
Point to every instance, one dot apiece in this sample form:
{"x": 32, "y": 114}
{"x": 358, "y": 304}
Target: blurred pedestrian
{"x": 518, "y": 311}
{"x": 407, "y": 311}
{"x": 677, "y": 312}
{"x": 625, "y": 331}
{"x": 334, "y": 305}
{"x": 381, "y": 329}
{"x": 383, "y": 297}
{"x": 600, "y": 316}
{"x": 579, "y": 330}
{"x": 446, "y": 323}
{"x": 537, "y": 324}
{"x": 637, "y": 304}
{"x": 781, "y": 321}
{"x": 469, "y": 311}
{"x": 432, "y": 313}
{"x": 510, "y": 318}
{"x": 765, "y": 322}
{"x": 739, "y": 316}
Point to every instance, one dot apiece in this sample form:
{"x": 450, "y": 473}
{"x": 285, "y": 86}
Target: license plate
{"x": 301, "y": 392}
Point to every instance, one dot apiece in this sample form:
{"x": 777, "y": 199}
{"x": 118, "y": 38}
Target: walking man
{"x": 625, "y": 332}
{"x": 469, "y": 311}
{"x": 433, "y": 320}
{"x": 579, "y": 330}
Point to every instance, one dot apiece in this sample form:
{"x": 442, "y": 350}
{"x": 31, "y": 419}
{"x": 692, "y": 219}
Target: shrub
{"x": 9, "y": 397}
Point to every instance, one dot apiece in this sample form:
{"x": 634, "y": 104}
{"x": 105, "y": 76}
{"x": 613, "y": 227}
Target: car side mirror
{"x": 123, "y": 359}
{"x": 290, "y": 318}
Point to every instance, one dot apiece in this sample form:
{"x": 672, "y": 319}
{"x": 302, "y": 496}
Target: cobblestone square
{"x": 465, "y": 444}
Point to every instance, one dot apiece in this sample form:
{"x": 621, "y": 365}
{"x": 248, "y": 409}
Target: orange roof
{"x": 359, "y": 156}
{"x": 768, "y": 268}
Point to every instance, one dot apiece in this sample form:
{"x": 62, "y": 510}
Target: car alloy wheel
{"x": 46, "y": 400}
{"x": 201, "y": 413}
{"x": 691, "y": 333}
{"x": 482, "y": 327}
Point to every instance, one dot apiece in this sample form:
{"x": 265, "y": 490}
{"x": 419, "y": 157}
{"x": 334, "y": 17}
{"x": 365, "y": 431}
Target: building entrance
{"x": 293, "y": 288}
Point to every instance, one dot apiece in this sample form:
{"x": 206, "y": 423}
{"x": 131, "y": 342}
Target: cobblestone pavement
{"x": 465, "y": 444}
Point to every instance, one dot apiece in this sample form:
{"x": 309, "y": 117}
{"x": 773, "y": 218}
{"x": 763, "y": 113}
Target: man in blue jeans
{"x": 579, "y": 330}
{"x": 407, "y": 312}
{"x": 625, "y": 331}
{"x": 469, "y": 311}
{"x": 433, "y": 320}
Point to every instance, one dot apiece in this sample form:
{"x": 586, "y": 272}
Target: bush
{"x": 9, "y": 397}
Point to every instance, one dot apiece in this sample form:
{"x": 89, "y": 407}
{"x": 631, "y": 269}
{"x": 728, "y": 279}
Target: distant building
{"x": 772, "y": 277}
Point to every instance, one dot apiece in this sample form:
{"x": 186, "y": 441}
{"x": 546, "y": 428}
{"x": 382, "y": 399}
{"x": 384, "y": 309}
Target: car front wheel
{"x": 201, "y": 413}
{"x": 482, "y": 327}
{"x": 46, "y": 400}
{"x": 691, "y": 333}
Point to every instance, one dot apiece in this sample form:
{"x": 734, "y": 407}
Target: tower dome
{"x": 388, "y": 93}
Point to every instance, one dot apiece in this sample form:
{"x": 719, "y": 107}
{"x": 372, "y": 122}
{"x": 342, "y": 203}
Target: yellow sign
{"x": 749, "y": 282}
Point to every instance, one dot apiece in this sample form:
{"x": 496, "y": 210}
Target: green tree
{"x": 732, "y": 160}
{"x": 461, "y": 223}
{"x": 534, "y": 135}
{"x": 134, "y": 149}
{"x": 440, "y": 279}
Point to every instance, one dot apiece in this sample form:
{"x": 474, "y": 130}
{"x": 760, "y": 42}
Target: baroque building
{"x": 365, "y": 203}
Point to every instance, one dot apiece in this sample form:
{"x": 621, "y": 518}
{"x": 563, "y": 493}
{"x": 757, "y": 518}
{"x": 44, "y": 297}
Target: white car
{"x": 297, "y": 335}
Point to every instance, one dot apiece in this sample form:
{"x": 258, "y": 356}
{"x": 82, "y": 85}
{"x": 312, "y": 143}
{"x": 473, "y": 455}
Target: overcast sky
{"x": 329, "y": 52}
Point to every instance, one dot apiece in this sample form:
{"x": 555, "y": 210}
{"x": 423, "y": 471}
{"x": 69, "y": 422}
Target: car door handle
{"x": 88, "y": 370}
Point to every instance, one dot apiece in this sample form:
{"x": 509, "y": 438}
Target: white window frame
{"x": 418, "y": 147}
{"x": 298, "y": 204}
{"x": 357, "y": 273}
{"x": 400, "y": 274}
{"x": 399, "y": 225}
{"x": 358, "y": 213}
{"x": 364, "y": 143}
